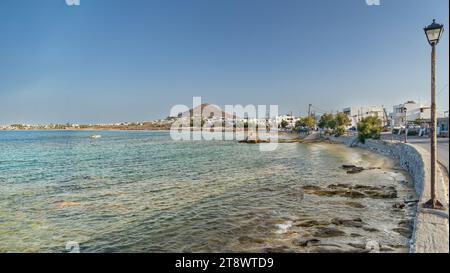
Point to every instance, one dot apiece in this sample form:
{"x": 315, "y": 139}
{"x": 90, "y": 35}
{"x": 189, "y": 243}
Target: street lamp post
{"x": 392, "y": 129}
{"x": 405, "y": 110}
{"x": 434, "y": 33}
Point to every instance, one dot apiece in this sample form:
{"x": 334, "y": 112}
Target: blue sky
{"x": 132, "y": 60}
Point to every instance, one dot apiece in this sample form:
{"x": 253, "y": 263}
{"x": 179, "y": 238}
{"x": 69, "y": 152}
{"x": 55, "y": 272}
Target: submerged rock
{"x": 370, "y": 229}
{"x": 354, "y": 205}
{"x": 356, "y": 191}
{"x": 354, "y": 194}
{"x": 356, "y": 245}
{"x": 311, "y": 188}
{"x": 304, "y": 242}
{"x": 352, "y": 169}
{"x": 383, "y": 193}
{"x": 327, "y": 232}
{"x": 277, "y": 249}
{"x": 355, "y": 170}
{"x": 336, "y": 249}
{"x": 254, "y": 141}
{"x": 309, "y": 223}
{"x": 357, "y": 222}
{"x": 339, "y": 186}
{"x": 399, "y": 206}
{"x": 403, "y": 231}
{"x": 386, "y": 249}
{"x": 248, "y": 239}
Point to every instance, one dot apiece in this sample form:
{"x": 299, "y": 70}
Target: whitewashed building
{"x": 410, "y": 112}
{"x": 290, "y": 119}
{"x": 356, "y": 114}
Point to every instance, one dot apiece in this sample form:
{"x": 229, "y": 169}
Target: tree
{"x": 338, "y": 124}
{"x": 326, "y": 121}
{"x": 308, "y": 122}
{"x": 369, "y": 127}
{"x": 342, "y": 121}
{"x": 284, "y": 124}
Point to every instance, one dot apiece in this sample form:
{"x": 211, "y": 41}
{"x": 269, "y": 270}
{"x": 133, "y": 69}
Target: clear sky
{"x": 132, "y": 60}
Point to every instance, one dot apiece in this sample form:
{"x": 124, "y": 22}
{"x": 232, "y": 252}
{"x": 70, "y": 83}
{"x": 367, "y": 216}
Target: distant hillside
{"x": 214, "y": 111}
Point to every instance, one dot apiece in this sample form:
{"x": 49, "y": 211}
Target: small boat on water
{"x": 96, "y": 136}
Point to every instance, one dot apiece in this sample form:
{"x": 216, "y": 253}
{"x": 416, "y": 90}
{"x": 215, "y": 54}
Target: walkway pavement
{"x": 425, "y": 142}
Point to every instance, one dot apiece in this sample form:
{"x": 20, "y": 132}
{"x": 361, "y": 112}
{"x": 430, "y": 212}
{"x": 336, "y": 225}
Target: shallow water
{"x": 142, "y": 192}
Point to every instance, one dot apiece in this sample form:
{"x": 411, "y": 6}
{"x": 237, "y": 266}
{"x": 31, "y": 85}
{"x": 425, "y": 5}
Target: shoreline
{"x": 431, "y": 227}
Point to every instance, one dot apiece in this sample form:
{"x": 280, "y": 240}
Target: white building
{"x": 290, "y": 119}
{"x": 356, "y": 114}
{"x": 410, "y": 112}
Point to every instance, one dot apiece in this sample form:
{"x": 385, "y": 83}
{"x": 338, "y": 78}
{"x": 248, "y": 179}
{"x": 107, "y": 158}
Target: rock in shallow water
{"x": 387, "y": 249}
{"x": 354, "y": 194}
{"x": 304, "y": 242}
{"x": 336, "y": 249}
{"x": 277, "y": 249}
{"x": 358, "y": 245}
{"x": 355, "y": 205}
{"x": 248, "y": 239}
{"x": 355, "y": 170}
{"x": 353, "y": 191}
{"x": 309, "y": 223}
{"x": 348, "y": 166}
{"x": 403, "y": 231}
{"x": 399, "y": 206}
{"x": 327, "y": 232}
{"x": 369, "y": 229}
{"x": 357, "y": 222}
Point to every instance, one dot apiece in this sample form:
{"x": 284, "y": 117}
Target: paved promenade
{"x": 425, "y": 143}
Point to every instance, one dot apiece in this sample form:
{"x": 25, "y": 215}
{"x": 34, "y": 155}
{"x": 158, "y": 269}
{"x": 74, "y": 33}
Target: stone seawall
{"x": 431, "y": 229}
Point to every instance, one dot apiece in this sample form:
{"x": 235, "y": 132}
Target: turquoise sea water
{"x": 143, "y": 192}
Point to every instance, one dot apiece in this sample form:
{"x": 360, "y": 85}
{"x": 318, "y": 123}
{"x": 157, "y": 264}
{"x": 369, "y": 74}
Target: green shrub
{"x": 339, "y": 131}
{"x": 369, "y": 127}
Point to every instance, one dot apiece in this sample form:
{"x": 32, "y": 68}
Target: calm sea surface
{"x": 142, "y": 192}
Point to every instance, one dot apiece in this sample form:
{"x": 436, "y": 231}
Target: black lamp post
{"x": 405, "y": 110}
{"x": 434, "y": 33}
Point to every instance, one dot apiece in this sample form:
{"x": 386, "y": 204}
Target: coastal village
{"x": 411, "y": 116}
